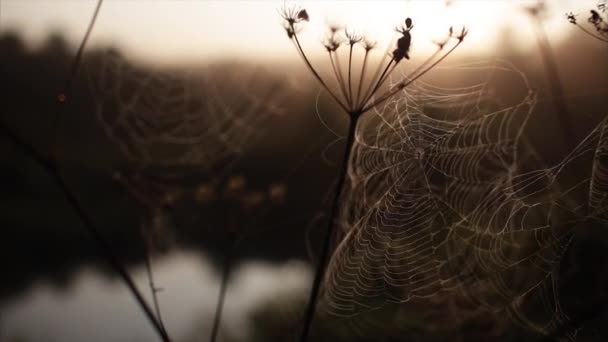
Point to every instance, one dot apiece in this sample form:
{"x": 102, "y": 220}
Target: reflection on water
{"x": 96, "y": 308}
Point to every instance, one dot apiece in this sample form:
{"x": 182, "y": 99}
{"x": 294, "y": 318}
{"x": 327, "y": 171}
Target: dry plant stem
{"x": 89, "y": 224}
{"x": 350, "y": 83}
{"x": 227, "y": 267}
{"x": 50, "y": 165}
{"x": 315, "y": 73}
{"x": 337, "y": 75}
{"x": 591, "y": 34}
{"x": 426, "y": 62}
{"x": 555, "y": 84}
{"x": 385, "y": 73}
{"x": 325, "y": 249}
{"x": 375, "y": 77}
{"x": 153, "y": 289}
{"x": 358, "y": 98}
{"x": 399, "y": 86}
{"x": 341, "y": 79}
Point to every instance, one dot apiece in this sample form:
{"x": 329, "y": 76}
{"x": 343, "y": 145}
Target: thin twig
{"x": 341, "y": 80}
{"x": 153, "y": 288}
{"x": 87, "y": 221}
{"x": 337, "y": 75}
{"x": 555, "y": 84}
{"x": 361, "y": 79}
{"x": 399, "y": 86}
{"x": 315, "y": 73}
{"x": 51, "y": 167}
{"x": 227, "y": 267}
{"x": 377, "y": 85}
{"x": 376, "y": 73}
{"x": 331, "y": 226}
{"x": 591, "y": 34}
{"x": 350, "y": 83}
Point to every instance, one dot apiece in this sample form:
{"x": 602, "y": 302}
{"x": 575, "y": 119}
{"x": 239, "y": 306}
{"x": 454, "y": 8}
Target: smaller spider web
{"x": 598, "y": 185}
{"x": 179, "y": 118}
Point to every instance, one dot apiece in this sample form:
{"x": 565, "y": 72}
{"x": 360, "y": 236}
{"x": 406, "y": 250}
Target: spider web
{"x": 444, "y": 210}
{"x": 598, "y": 183}
{"x": 178, "y": 118}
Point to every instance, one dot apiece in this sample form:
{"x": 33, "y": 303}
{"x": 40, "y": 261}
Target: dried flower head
{"x": 441, "y": 43}
{"x": 292, "y": 15}
{"x": 595, "y": 19}
{"x": 358, "y": 100}
{"x": 352, "y": 37}
{"x": 360, "y": 96}
{"x": 368, "y": 44}
{"x": 331, "y": 43}
{"x": 462, "y": 34}
{"x": 571, "y": 17}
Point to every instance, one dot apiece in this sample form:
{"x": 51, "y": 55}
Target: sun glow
{"x": 178, "y": 30}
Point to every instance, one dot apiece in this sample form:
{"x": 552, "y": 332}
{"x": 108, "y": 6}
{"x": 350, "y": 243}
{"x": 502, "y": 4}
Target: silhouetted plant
{"x": 595, "y": 19}
{"x": 355, "y": 104}
{"x": 51, "y": 166}
{"x": 536, "y": 13}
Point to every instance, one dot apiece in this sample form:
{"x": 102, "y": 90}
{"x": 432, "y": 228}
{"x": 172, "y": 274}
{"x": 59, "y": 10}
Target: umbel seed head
{"x": 356, "y": 99}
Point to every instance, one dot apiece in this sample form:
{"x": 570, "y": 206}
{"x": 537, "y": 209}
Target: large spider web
{"x": 444, "y": 209}
{"x": 198, "y": 117}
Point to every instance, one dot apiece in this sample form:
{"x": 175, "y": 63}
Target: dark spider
{"x": 403, "y": 44}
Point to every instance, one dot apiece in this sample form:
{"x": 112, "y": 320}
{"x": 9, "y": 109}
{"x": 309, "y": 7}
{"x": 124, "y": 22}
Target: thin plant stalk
{"x": 335, "y": 206}
{"x": 363, "y": 67}
{"x": 555, "y": 84}
{"x": 226, "y": 269}
{"x": 355, "y": 109}
{"x": 591, "y": 34}
{"x": 380, "y": 80}
{"x": 376, "y": 74}
{"x": 51, "y": 167}
{"x": 561, "y": 109}
{"x": 316, "y": 74}
{"x": 341, "y": 78}
{"x": 375, "y": 78}
{"x": 350, "y": 83}
{"x": 151, "y": 283}
{"x": 409, "y": 80}
{"x": 338, "y": 74}
{"x": 88, "y": 223}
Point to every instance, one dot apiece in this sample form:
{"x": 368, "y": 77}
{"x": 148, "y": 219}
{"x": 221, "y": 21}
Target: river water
{"x": 95, "y": 307}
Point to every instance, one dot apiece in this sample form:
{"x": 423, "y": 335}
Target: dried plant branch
{"x": 226, "y": 269}
{"x": 49, "y": 164}
{"x": 361, "y": 77}
{"x": 600, "y": 38}
{"x": 88, "y": 223}
{"x": 154, "y": 290}
{"x": 329, "y": 232}
{"x": 355, "y": 107}
{"x": 315, "y": 73}
{"x": 555, "y": 83}
{"x": 399, "y": 86}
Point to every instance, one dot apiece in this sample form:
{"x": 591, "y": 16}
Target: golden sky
{"x": 191, "y": 30}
